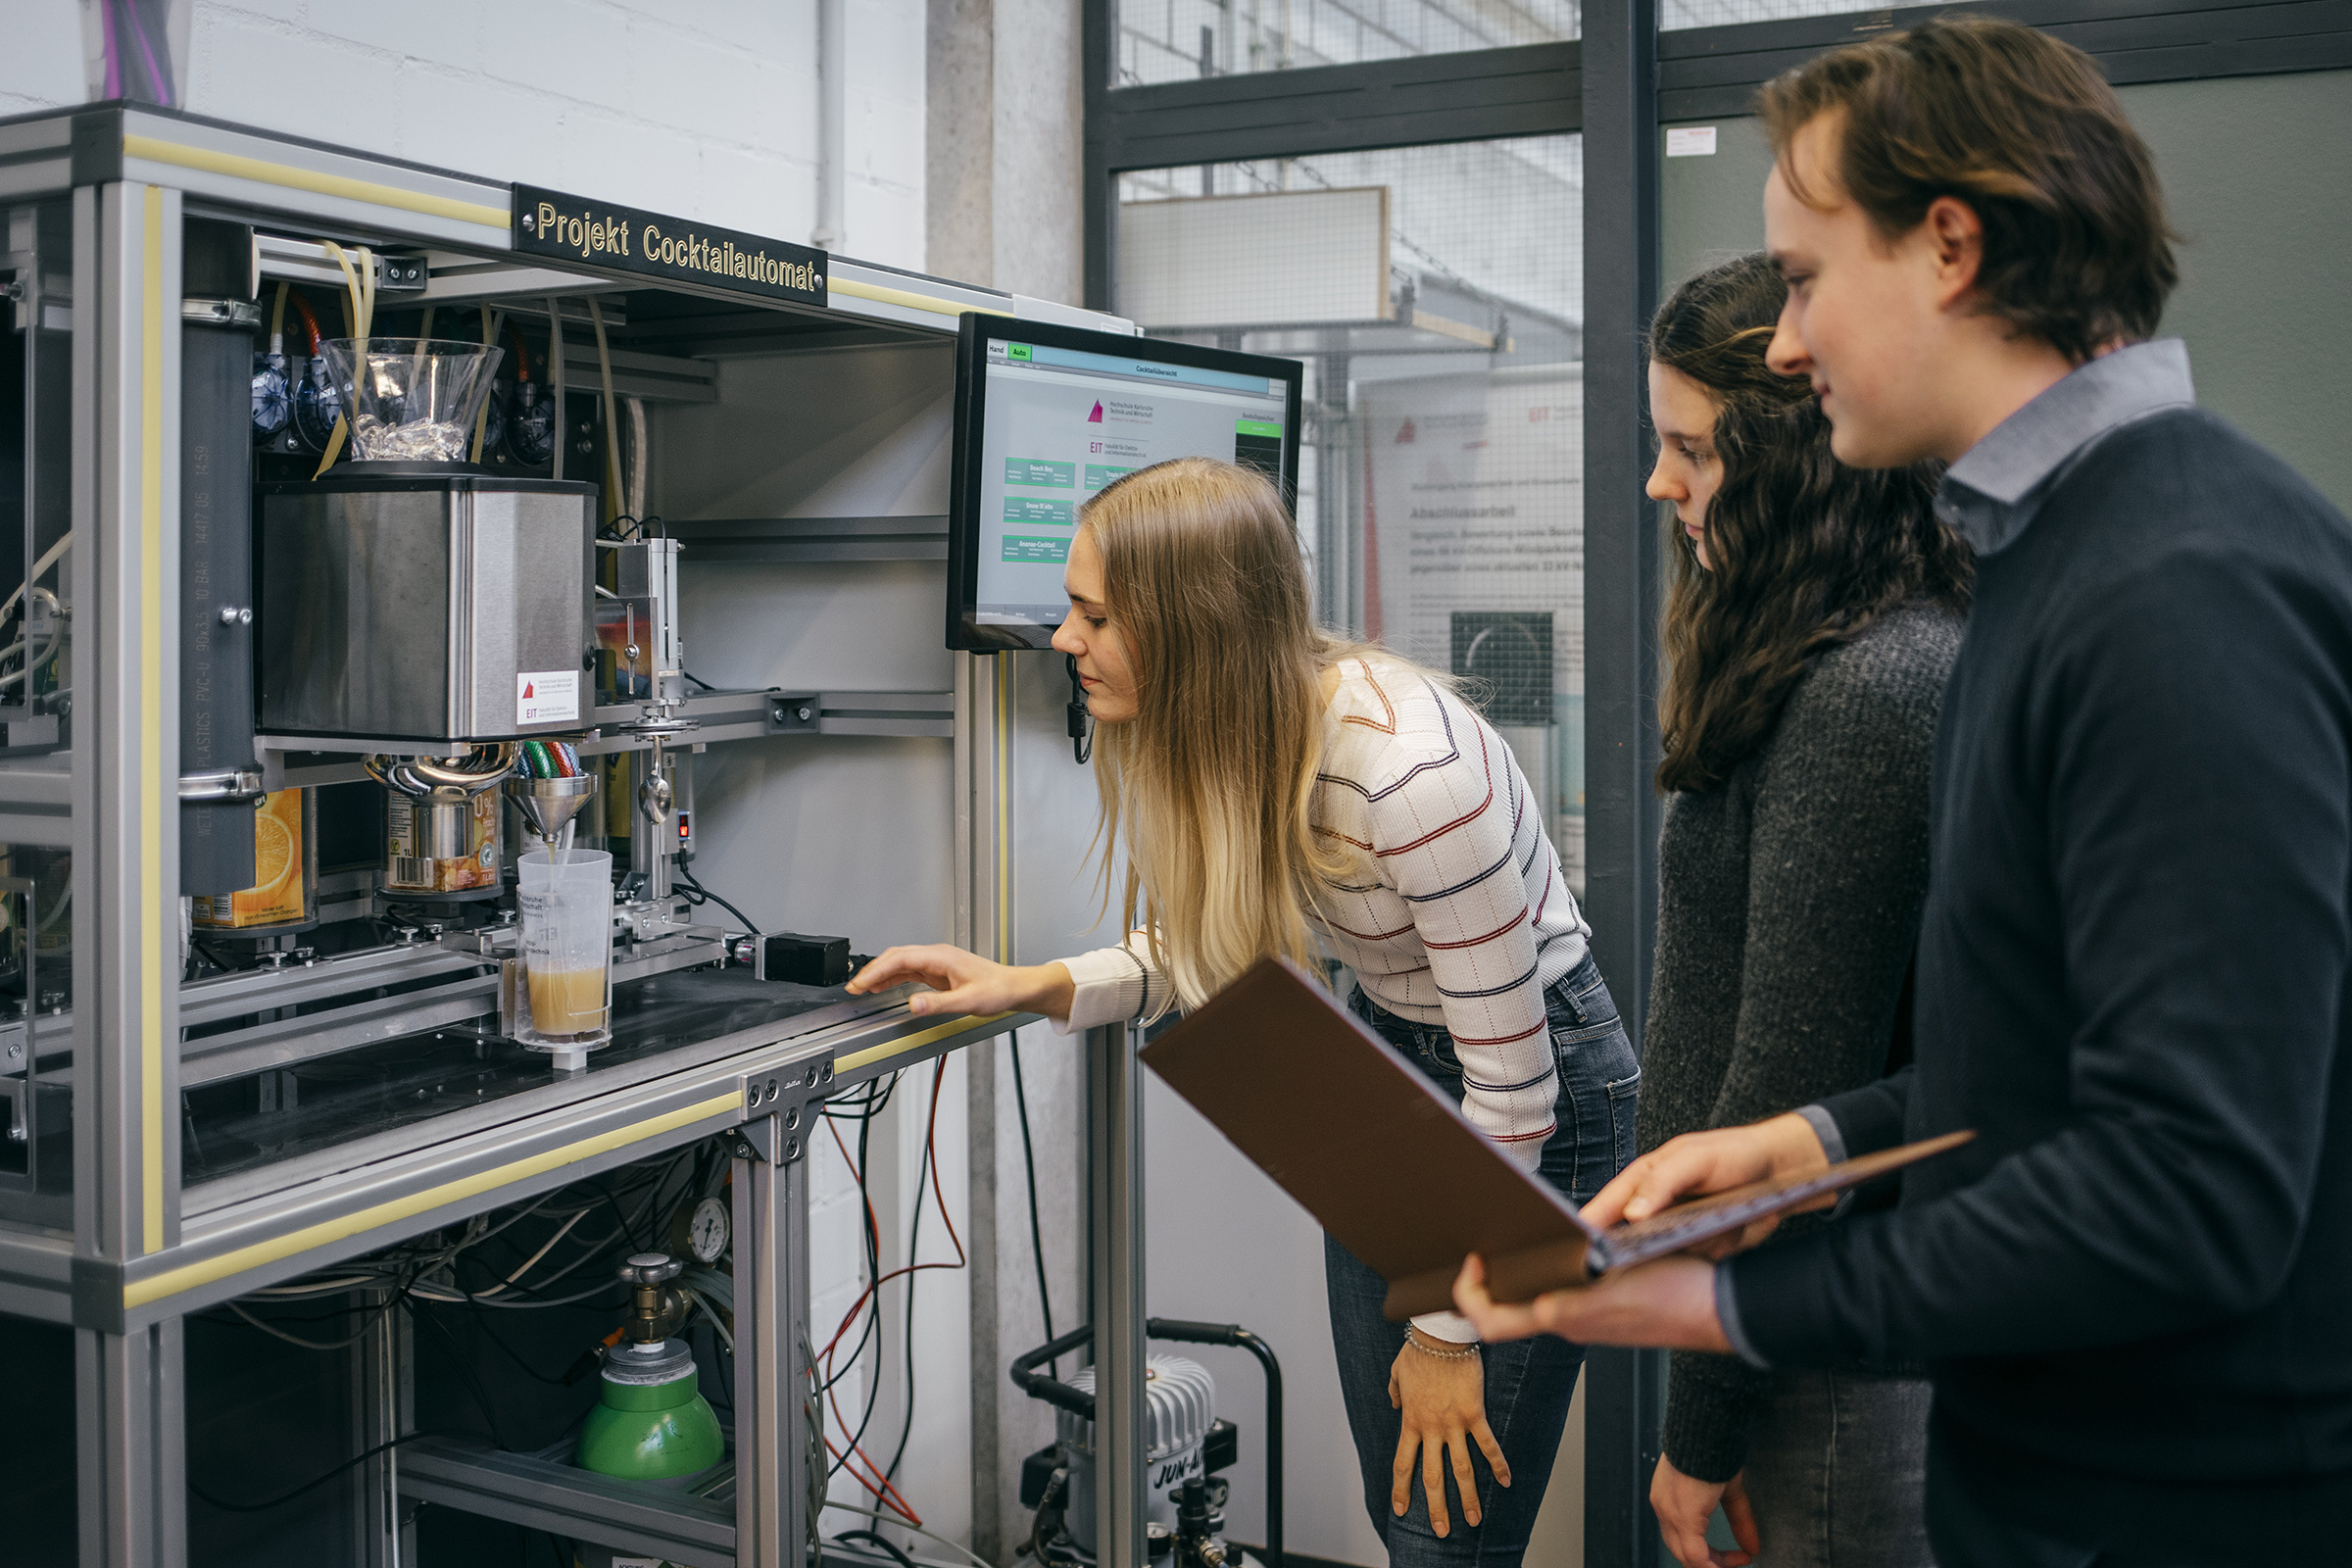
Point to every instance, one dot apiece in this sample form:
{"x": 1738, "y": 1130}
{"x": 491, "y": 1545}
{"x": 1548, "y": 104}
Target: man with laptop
{"x": 2134, "y": 1288}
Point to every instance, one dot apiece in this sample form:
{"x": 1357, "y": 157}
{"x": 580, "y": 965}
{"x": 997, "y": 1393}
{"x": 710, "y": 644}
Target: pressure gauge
{"x": 709, "y": 1229}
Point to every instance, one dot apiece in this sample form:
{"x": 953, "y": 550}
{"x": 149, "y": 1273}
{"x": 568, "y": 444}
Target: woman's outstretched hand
{"x": 963, "y": 982}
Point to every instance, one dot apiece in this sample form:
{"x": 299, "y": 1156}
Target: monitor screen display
{"x": 1046, "y": 416}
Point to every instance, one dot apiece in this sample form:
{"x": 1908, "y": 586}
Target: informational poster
{"x": 1474, "y": 555}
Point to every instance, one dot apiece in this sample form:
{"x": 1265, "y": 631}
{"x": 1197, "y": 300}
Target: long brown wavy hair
{"x": 1805, "y": 552}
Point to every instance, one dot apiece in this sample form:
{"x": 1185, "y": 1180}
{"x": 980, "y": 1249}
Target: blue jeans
{"x": 1528, "y": 1383}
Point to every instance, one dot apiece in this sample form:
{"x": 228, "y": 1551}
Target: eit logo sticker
{"x": 1096, "y": 418}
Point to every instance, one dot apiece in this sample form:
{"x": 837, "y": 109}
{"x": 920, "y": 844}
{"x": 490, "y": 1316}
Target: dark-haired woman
{"x": 1814, "y": 614}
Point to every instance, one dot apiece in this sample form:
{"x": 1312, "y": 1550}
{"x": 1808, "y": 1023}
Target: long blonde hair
{"x": 1207, "y": 787}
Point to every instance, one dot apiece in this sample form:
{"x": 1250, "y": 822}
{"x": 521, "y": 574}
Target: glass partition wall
{"x": 1174, "y": 40}
{"x": 1435, "y": 294}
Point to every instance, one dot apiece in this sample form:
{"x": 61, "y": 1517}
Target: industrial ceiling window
{"x": 1174, "y": 40}
{"x": 1435, "y": 294}
{"x": 1678, "y": 16}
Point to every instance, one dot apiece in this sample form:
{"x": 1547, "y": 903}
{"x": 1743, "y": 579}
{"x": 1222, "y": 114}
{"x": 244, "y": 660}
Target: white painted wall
{"x": 700, "y": 108}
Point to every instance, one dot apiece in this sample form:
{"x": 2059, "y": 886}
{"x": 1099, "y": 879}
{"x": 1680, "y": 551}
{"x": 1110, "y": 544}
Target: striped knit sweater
{"x": 1459, "y": 917}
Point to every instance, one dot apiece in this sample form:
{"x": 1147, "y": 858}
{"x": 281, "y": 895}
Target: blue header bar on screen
{"x": 1144, "y": 370}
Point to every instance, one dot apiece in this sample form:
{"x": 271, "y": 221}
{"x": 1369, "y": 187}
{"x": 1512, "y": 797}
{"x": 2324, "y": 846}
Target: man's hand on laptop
{"x": 1668, "y": 1305}
{"x": 1698, "y": 1163}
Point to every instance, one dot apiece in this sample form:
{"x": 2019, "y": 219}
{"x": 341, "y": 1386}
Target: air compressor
{"x": 1186, "y": 1445}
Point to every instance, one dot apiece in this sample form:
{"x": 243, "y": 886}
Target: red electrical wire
{"x": 887, "y": 1493}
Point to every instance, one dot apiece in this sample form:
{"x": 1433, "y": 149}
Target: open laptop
{"x": 1392, "y": 1169}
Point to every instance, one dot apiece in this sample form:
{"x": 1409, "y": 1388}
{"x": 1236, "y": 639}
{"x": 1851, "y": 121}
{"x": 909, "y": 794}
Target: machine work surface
{"x": 318, "y": 1104}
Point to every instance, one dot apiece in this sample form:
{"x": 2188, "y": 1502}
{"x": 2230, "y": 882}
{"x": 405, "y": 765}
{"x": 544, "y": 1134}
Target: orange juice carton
{"x": 282, "y": 884}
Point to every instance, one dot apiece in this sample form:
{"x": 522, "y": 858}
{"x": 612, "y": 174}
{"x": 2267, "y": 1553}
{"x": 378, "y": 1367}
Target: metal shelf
{"x": 541, "y": 1492}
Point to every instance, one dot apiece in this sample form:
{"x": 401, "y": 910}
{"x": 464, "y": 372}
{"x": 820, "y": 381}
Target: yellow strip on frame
{"x": 913, "y": 302}
{"x": 150, "y": 947}
{"x": 1004, "y": 745}
{"x": 292, "y": 179}
{"x": 906, "y": 1042}
{"x": 188, "y": 1276}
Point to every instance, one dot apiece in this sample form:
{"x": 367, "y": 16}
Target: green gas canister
{"x": 651, "y": 1421}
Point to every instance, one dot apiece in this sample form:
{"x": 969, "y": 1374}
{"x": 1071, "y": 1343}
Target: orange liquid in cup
{"x": 567, "y": 1001}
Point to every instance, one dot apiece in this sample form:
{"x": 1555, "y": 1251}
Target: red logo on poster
{"x": 1096, "y": 418}
{"x": 1404, "y": 432}
{"x": 527, "y": 692}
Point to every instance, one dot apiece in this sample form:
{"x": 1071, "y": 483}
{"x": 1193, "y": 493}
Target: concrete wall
{"x": 694, "y": 107}
{"x": 1003, "y": 164}
{"x": 2267, "y": 229}
{"x": 1003, "y": 145}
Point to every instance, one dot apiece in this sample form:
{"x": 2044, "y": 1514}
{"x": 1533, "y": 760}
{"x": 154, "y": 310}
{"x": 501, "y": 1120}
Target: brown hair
{"x": 2024, "y": 130}
{"x": 1214, "y": 776}
{"x": 1806, "y": 552}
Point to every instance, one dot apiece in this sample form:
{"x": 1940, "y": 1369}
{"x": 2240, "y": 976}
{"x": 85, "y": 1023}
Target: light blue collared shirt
{"x": 1988, "y": 498}
{"x": 2000, "y": 484}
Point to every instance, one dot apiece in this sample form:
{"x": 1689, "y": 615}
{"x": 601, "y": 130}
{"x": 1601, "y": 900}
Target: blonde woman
{"x": 1275, "y": 789}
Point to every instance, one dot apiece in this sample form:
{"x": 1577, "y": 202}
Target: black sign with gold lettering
{"x": 575, "y": 228}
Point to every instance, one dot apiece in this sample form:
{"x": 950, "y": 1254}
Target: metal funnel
{"x": 548, "y": 803}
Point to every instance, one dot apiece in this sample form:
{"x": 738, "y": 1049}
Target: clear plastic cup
{"x": 411, "y": 398}
{"x": 566, "y": 947}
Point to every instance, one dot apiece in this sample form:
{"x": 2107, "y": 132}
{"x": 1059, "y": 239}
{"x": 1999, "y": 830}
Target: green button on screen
{"x": 1017, "y": 351}
{"x": 1024, "y": 508}
{"x": 1030, "y": 550}
{"x": 1256, "y": 427}
{"x": 1039, "y": 473}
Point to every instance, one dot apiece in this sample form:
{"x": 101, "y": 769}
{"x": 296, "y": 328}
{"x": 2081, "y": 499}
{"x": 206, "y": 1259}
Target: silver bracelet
{"x": 1465, "y": 1353}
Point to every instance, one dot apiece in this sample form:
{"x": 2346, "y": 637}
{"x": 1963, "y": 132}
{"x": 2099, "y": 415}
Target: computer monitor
{"x": 1046, "y": 416}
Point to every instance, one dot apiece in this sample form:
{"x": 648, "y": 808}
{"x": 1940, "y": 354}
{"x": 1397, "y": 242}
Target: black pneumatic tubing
{"x": 1055, "y": 1392}
{"x": 1177, "y": 1329}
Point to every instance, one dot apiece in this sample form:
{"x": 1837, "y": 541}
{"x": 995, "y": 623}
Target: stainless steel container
{"x": 409, "y": 605}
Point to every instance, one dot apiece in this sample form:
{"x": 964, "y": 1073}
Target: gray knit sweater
{"x": 1788, "y": 907}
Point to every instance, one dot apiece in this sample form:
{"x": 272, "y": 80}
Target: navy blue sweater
{"x": 2134, "y": 1290}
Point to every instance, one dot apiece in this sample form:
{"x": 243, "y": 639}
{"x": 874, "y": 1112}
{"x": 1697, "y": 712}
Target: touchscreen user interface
{"x": 1060, "y": 424}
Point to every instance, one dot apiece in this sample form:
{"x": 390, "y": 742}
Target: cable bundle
{"x": 549, "y": 760}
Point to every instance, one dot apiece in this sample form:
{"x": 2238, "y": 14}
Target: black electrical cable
{"x": 915, "y": 1236}
{"x": 697, "y": 893}
{"x": 1080, "y": 725}
{"x": 1036, "y": 1235}
{"x": 868, "y": 1535}
{"x": 473, "y": 1387}
{"x": 481, "y": 1323}
{"x": 866, "y": 1110}
{"x": 697, "y": 680}
{"x": 313, "y": 1484}
{"x": 871, "y": 1239}
{"x": 861, "y": 1109}
{"x": 628, "y": 1233}
{"x": 873, "y": 1264}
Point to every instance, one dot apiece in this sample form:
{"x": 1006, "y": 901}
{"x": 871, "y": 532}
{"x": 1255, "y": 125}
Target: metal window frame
{"x": 1617, "y": 85}
{"x": 1538, "y": 90}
